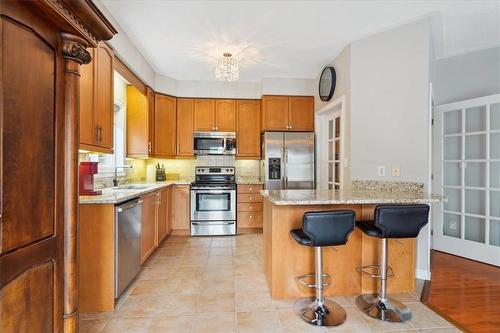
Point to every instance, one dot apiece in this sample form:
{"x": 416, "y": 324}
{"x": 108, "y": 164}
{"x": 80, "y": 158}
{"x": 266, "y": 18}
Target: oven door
{"x": 213, "y": 205}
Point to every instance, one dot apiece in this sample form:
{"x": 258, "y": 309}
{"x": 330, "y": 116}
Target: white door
{"x": 468, "y": 174}
{"x": 330, "y": 153}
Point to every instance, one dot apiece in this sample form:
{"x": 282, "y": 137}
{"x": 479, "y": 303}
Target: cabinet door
{"x": 148, "y": 225}
{"x": 138, "y": 143}
{"x": 105, "y": 103}
{"x": 301, "y": 117}
{"x": 225, "y": 115}
{"x": 163, "y": 211}
{"x": 180, "y": 208}
{"x": 275, "y": 113}
{"x": 248, "y": 128}
{"x": 185, "y": 127}
{"x": 204, "y": 115}
{"x": 88, "y": 129}
{"x": 150, "y": 96}
{"x": 165, "y": 118}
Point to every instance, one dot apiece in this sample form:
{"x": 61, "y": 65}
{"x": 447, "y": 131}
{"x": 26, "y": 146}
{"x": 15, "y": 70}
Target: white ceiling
{"x": 288, "y": 39}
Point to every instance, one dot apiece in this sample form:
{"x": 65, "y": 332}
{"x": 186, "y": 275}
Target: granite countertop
{"x": 345, "y": 197}
{"x": 121, "y": 194}
{"x": 242, "y": 180}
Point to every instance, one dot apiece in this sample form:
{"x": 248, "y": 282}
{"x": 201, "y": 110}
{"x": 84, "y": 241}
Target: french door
{"x": 468, "y": 174}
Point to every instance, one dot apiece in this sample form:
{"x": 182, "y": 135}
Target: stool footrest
{"x": 302, "y": 280}
{"x": 375, "y": 271}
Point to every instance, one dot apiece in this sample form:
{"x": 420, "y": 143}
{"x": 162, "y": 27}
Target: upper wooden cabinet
{"x": 204, "y": 115}
{"x": 185, "y": 119}
{"x": 164, "y": 127}
{"x": 215, "y": 115}
{"x": 96, "y": 101}
{"x": 287, "y": 113}
{"x": 139, "y": 123}
{"x": 225, "y": 115}
{"x": 248, "y": 129}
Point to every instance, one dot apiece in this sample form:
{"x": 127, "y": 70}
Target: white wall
{"x": 286, "y": 86}
{"x": 467, "y": 76}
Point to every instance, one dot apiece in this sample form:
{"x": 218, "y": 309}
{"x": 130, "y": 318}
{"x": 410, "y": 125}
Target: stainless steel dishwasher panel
{"x": 127, "y": 244}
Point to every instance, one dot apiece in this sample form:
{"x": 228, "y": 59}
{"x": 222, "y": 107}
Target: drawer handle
{"x": 250, "y": 198}
{"x": 251, "y": 217}
{"x": 250, "y": 207}
{"x": 251, "y": 188}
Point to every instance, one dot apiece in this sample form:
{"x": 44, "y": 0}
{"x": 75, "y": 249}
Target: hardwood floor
{"x": 465, "y": 292}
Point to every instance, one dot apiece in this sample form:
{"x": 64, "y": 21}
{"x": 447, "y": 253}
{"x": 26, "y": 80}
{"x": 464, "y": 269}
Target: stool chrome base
{"x": 329, "y": 314}
{"x": 389, "y": 310}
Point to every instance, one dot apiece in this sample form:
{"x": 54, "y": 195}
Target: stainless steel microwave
{"x": 214, "y": 143}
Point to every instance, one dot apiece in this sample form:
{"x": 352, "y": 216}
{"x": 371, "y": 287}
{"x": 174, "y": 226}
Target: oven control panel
{"x": 209, "y": 170}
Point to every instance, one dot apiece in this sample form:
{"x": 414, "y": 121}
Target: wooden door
{"x": 204, "y": 115}
{"x": 185, "y": 114}
{"x": 138, "y": 142}
{"x": 225, "y": 115}
{"x": 301, "y": 116}
{"x": 32, "y": 173}
{"x": 274, "y": 113}
{"x": 148, "y": 225}
{"x": 163, "y": 214}
{"x": 165, "y": 119}
{"x": 105, "y": 102}
{"x": 248, "y": 129}
{"x": 181, "y": 207}
{"x": 88, "y": 128}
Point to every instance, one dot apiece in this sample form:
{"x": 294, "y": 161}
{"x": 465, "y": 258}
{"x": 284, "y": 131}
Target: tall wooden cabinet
{"x": 287, "y": 113}
{"x": 139, "y": 122}
{"x": 215, "y": 115}
{"x": 185, "y": 122}
{"x": 96, "y": 101}
{"x": 248, "y": 129}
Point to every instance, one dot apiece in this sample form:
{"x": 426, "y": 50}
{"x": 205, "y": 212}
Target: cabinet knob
{"x": 251, "y": 217}
{"x": 250, "y": 188}
{"x": 250, "y": 207}
{"x": 250, "y": 198}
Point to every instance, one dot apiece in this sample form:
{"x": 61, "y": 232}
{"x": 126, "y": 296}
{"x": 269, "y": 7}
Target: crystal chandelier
{"x": 227, "y": 68}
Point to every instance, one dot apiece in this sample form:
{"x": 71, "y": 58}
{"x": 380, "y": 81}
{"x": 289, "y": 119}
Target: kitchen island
{"x": 284, "y": 259}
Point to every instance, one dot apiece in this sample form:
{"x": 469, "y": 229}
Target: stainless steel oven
{"x": 213, "y": 202}
{"x": 214, "y": 143}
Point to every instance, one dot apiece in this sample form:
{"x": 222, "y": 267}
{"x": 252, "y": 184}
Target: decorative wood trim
{"x": 74, "y": 48}
{"x": 128, "y": 75}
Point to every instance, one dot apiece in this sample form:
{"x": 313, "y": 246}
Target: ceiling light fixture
{"x": 227, "y": 68}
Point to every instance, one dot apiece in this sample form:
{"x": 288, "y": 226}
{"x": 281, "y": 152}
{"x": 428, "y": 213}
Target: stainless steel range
{"x": 213, "y": 201}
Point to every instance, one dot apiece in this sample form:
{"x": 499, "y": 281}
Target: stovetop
{"x": 214, "y": 176}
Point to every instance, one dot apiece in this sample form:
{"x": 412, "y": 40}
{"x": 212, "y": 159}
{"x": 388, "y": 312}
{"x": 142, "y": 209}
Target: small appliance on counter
{"x": 87, "y": 172}
{"x": 160, "y": 173}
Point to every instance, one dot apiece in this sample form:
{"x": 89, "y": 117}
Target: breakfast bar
{"x": 284, "y": 259}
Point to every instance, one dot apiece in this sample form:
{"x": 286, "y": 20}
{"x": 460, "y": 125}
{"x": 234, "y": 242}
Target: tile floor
{"x": 193, "y": 285}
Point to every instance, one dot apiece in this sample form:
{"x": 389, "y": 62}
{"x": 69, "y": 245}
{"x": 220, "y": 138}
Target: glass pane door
{"x": 334, "y": 152}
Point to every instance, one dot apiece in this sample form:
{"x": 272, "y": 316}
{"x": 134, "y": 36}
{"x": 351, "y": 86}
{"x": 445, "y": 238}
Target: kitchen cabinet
{"x": 180, "y": 209}
{"x": 287, "y": 113}
{"x": 163, "y": 215}
{"x": 97, "y": 101}
{"x": 225, "y": 115}
{"x": 204, "y": 115}
{"x": 139, "y": 123}
{"x": 164, "y": 127}
{"x": 248, "y": 129}
{"x": 185, "y": 119}
{"x": 249, "y": 206}
{"x": 148, "y": 225}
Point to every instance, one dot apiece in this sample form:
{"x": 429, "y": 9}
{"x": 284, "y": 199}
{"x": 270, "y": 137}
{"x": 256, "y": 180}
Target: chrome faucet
{"x": 115, "y": 180}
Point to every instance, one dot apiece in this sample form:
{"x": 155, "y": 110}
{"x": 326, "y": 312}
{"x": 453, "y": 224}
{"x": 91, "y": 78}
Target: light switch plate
{"x": 396, "y": 172}
{"x": 381, "y": 171}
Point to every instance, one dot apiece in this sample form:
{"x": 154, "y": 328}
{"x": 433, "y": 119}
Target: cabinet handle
{"x": 149, "y": 146}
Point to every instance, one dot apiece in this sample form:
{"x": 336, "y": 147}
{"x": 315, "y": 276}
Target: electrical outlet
{"x": 381, "y": 171}
{"x": 396, "y": 171}
{"x": 453, "y": 225}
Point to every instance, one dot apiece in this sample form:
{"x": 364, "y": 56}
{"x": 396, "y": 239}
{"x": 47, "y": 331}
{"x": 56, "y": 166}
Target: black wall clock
{"x": 327, "y": 82}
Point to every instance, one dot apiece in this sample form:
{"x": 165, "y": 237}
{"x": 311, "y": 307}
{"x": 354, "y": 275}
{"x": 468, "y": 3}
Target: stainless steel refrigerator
{"x": 288, "y": 160}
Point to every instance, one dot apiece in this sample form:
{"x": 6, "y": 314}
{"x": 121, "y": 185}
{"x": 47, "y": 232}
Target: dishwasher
{"x": 127, "y": 244}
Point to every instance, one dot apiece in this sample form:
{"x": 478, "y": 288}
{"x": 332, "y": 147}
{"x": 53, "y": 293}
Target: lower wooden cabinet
{"x": 163, "y": 214}
{"x": 148, "y": 225}
{"x": 249, "y": 206}
{"x": 180, "y": 209}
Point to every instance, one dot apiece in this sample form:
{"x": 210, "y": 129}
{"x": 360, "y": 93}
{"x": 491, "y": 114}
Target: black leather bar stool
{"x": 390, "y": 221}
{"x": 322, "y": 229}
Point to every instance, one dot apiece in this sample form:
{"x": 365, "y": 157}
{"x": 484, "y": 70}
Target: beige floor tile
{"x": 249, "y": 259}
{"x": 255, "y": 283}
{"x": 96, "y": 315}
{"x": 177, "y": 239}
{"x": 354, "y": 323}
{"x": 253, "y": 301}
{"x": 92, "y": 325}
{"x": 292, "y": 323}
{"x": 180, "y": 304}
{"x": 241, "y": 268}
{"x": 441, "y": 330}
{"x": 423, "y": 317}
{"x": 163, "y": 262}
{"x": 170, "y": 252}
{"x": 340, "y": 300}
{"x": 220, "y": 260}
{"x": 149, "y": 273}
{"x": 194, "y": 261}
{"x": 220, "y": 251}
{"x": 171, "y": 324}
{"x": 404, "y": 297}
{"x": 218, "y": 271}
{"x": 154, "y": 287}
{"x": 221, "y": 242}
{"x": 223, "y": 284}
{"x": 284, "y": 303}
{"x": 244, "y": 250}
{"x": 141, "y": 306}
{"x": 258, "y": 322}
{"x": 216, "y": 302}
{"x": 382, "y": 326}
{"x": 128, "y": 325}
{"x": 196, "y": 251}
{"x": 188, "y": 285}
{"x": 215, "y": 323}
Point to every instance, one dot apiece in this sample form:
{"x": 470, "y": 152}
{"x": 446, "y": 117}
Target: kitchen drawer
{"x": 249, "y": 197}
{"x": 250, "y": 207}
{"x": 251, "y": 188}
{"x": 249, "y": 219}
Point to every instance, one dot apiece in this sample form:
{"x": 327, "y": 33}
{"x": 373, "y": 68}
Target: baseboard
{"x": 423, "y": 274}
